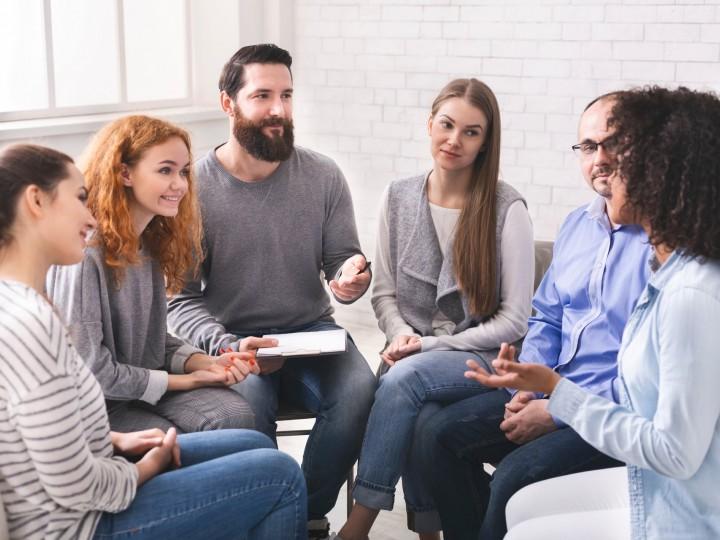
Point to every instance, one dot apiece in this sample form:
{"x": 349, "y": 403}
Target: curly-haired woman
{"x": 667, "y": 425}
{"x": 142, "y": 192}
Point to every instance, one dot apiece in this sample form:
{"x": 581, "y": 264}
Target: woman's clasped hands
{"x": 159, "y": 450}
{"x": 400, "y": 347}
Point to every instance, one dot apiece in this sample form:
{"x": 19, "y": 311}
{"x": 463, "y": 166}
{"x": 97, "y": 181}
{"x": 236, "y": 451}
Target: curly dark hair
{"x": 669, "y": 141}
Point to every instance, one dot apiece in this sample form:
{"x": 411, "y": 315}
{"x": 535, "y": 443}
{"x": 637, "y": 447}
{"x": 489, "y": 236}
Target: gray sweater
{"x": 267, "y": 246}
{"x": 121, "y": 333}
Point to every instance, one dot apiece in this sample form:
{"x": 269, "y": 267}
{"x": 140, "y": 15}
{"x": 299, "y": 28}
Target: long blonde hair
{"x": 174, "y": 241}
{"x": 474, "y": 247}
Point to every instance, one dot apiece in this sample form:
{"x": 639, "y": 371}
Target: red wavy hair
{"x": 175, "y": 242}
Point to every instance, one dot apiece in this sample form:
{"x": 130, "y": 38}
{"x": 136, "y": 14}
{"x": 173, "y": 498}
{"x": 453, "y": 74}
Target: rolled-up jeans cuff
{"x": 373, "y": 496}
{"x": 423, "y": 522}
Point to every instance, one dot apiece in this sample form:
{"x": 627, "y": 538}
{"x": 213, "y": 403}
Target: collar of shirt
{"x": 659, "y": 277}
{"x": 597, "y": 211}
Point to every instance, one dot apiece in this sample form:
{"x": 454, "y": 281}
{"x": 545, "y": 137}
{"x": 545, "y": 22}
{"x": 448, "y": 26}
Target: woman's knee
{"x": 250, "y": 438}
{"x": 231, "y": 417}
{"x": 401, "y": 374}
{"x": 283, "y": 468}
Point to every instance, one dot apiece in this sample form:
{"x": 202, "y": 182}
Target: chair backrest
{"x": 543, "y": 256}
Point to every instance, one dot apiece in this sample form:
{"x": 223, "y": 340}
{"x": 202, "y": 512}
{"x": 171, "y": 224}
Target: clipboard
{"x": 305, "y": 344}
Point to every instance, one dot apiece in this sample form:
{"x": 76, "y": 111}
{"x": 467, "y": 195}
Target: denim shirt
{"x": 584, "y": 300}
{"x": 666, "y": 427}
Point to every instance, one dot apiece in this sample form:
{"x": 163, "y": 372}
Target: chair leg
{"x": 350, "y": 479}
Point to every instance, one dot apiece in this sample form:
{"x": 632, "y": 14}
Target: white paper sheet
{"x": 306, "y": 343}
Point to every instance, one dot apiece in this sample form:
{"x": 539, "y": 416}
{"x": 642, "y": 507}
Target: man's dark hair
{"x": 232, "y": 77}
{"x": 669, "y": 157}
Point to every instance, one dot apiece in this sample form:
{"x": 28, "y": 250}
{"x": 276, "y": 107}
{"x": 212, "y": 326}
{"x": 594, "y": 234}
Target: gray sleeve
{"x": 340, "y": 237}
{"x": 80, "y": 293}
{"x": 189, "y": 318}
{"x": 176, "y": 353}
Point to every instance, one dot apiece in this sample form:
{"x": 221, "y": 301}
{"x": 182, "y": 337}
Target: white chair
{"x": 591, "y": 505}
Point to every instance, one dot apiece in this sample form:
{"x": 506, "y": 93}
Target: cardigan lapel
{"x": 422, "y": 259}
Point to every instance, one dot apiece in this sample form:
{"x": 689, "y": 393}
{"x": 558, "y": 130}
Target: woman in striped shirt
{"x": 63, "y": 473}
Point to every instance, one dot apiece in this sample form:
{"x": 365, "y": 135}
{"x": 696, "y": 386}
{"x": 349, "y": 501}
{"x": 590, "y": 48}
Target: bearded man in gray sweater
{"x": 277, "y": 218}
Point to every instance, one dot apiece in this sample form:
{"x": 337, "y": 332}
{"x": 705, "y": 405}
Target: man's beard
{"x": 602, "y": 188}
{"x": 250, "y": 136}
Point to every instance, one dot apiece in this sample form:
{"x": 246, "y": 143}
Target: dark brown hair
{"x": 474, "y": 247}
{"x": 23, "y": 165}
{"x": 232, "y": 77}
{"x": 669, "y": 157}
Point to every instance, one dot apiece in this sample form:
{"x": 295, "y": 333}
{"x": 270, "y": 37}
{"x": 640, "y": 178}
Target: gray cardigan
{"x": 121, "y": 333}
{"x": 424, "y": 279}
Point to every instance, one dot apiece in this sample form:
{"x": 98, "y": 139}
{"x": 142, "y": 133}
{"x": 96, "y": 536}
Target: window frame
{"x": 121, "y": 106}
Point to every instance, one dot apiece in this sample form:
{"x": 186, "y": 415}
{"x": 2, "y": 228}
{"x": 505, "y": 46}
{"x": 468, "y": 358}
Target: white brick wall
{"x": 366, "y": 73}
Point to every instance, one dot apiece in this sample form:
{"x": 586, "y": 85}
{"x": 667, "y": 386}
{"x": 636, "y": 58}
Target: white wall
{"x": 367, "y": 72}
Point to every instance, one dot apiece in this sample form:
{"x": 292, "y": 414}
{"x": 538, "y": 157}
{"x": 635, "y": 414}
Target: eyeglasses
{"x": 588, "y": 148}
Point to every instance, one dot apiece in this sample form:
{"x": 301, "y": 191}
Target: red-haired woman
{"x": 142, "y": 193}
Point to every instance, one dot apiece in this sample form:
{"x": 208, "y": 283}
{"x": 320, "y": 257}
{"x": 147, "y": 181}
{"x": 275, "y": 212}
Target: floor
{"x": 389, "y": 525}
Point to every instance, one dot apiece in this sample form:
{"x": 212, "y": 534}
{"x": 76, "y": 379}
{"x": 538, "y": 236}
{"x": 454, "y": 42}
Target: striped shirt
{"x": 57, "y": 470}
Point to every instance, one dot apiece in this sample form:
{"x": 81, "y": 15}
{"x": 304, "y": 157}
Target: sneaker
{"x": 319, "y": 529}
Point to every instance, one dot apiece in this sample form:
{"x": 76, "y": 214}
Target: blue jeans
{"x": 339, "y": 389}
{"x": 410, "y": 393}
{"x": 460, "y": 438}
{"x": 232, "y": 485}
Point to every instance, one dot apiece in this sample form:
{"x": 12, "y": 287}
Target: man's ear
{"x": 227, "y": 103}
{"x": 125, "y": 174}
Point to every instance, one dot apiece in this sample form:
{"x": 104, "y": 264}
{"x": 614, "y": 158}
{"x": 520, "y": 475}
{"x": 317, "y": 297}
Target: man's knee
{"x": 351, "y": 401}
{"x": 261, "y": 397}
{"x": 522, "y": 467}
{"x": 362, "y": 391}
{"x": 473, "y": 425}
{"x": 352, "y": 389}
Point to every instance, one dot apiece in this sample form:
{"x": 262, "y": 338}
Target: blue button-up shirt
{"x": 582, "y": 304}
{"x": 667, "y": 425}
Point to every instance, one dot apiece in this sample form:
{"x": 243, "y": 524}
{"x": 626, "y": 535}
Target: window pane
{"x": 86, "y": 52}
{"x": 156, "y": 49}
{"x": 23, "y": 83}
